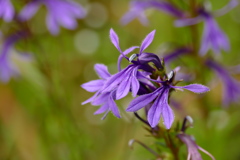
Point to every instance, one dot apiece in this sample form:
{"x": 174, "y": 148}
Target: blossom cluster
{"x": 213, "y": 37}
{"x": 144, "y": 77}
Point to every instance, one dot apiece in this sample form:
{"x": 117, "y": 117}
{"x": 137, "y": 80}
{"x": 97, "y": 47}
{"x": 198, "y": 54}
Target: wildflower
{"x": 213, "y": 37}
{"x": 192, "y": 147}
{"x": 106, "y": 100}
{"x": 159, "y": 100}
{"x": 60, "y": 12}
{"x": 7, "y": 10}
{"x": 126, "y": 79}
{"x": 137, "y": 8}
{"x": 231, "y": 87}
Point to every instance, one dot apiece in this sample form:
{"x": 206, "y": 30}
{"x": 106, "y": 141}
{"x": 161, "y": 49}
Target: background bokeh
{"x": 41, "y": 116}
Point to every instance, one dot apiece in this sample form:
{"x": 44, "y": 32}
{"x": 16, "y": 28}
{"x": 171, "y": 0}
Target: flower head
{"x": 60, "y": 12}
{"x": 106, "y": 99}
{"x": 159, "y": 101}
{"x": 126, "y": 80}
{"x": 213, "y": 37}
{"x": 7, "y": 10}
{"x": 137, "y": 8}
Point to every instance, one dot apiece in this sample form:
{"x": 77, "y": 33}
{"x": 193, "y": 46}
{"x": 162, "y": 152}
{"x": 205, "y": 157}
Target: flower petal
{"x": 52, "y": 24}
{"x": 196, "y": 88}
{"x": 142, "y": 101}
{"x": 187, "y": 22}
{"x": 167, "y": 113}
{"x": 102, "y": 71}
{"x": 113, "y": 107}
{"x": 161, "y": 107}
{"x": 147, "y": 41}
{"x": 134, "y": 83}
{"x": 124, "y": 87}
{"x": 154, "y": 113}
{"x": 102, "y": 109}
{"x": 28, "y": 11}
{"x": 101, "y": 99}
{"x": 115, "y": 79}
{"x": 93, "y": 86}
{"x": 91, "y": 98}
{"x": 114, "y": 39}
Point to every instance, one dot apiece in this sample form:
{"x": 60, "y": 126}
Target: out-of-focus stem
{"x": 145, "y": 146}
{"x": 170, "y": 145}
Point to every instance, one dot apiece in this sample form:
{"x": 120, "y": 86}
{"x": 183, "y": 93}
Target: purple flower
{"x": 106, "y": 99}
{"x": 7, "y": 68}
{"x": 159, "y": 101}
{"x": 213, "y": 37}
{"x": 126, "y": 80}
{"x": 60, "y": 12}
{"x": 192, "y": 147}
{"x": 6, "y": 11}
{"x": 137, "y": 8}
{"x": 231, "y": 87}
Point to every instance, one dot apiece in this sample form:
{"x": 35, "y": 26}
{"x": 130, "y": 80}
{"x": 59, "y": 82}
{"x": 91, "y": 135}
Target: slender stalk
{"x": 141, "y": 119}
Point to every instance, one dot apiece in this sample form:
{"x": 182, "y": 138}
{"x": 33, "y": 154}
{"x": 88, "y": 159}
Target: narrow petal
{"x": 130, "y": 50}
{"x": 52, "y": 24}
{"x": 93, "y": 86}
{"x": 29, "y": 11}
{"x": 134, "y": 83}
{"x": 114, "y": 40}
{"x": 124, "y": 87}
{"x": 115, "y": 79}
{"x": 167, "y": 113}
{"x": 113, "y": 107}
{"x": 8, "y": 14}
{"x": 142, "y": 101}
{"x": 154, "y": 113}
{"x": 161, "y": 107}
{"x": 232, "y": 4}
{"x": 102, "y": 109}
{"x": 187, "y": 22}
{"x": 91, "y": 98}
{"x": 147, "y": 41}
{"x": 102, "y": 71}
{"x": 196, "y": 88}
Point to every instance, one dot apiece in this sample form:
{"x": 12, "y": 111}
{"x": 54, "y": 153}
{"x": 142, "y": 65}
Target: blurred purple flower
{"x": 106, "y": 99}
{"x": 7, "y": 68}
{"x": 6, "y": 10}
{"x": 159, "y": 100}
{"x": 60, "y": 12}
{"x": 176, "y": 53}
{"x": 137, "y": 8}
{"x": 192, "y": 147}
{"x": 231, "y": 87}
{"x": 213, "y": 37}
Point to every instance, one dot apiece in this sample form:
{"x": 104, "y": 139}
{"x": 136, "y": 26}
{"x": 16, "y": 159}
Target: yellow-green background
{"x": 41, "y": 116}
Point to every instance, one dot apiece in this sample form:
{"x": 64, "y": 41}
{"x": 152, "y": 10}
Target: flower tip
{"x": 111, "y": 31}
